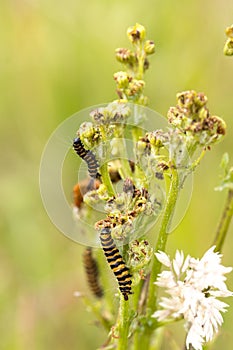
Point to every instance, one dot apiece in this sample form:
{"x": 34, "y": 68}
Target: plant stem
{"x": 224, "y": 222}
{"x": 173, "y": 190}
{"x": 141, "y": 59}
{"x": 198, "y": 160}
{"x": 104, "y": 279}
{"x": 124, "y": 323}
{"x": 106, "y": 179}
{"x": 162, "y": 238}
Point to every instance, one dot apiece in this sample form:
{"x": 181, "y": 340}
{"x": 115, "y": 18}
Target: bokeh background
{"x": 56, "y": 58}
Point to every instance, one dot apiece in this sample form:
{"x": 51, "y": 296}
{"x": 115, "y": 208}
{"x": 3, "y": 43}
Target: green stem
{"x": 105, "y": 282}
{"x": 124, "y": 323}
{"x": 162, "y": 238}
{"x": 141, "y": 59}
{"x": 104, "y": 167}
{"x": 198, "y": 160}
{"x": 106, "y": 179}
{"x": 144, "y": 340}
{"x": 224, "y": 222}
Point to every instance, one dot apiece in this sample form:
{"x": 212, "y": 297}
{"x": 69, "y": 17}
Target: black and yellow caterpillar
{"x": 92, "y": 273}
{"x": 88, "y": 156}
{"x": 116, "y": 262}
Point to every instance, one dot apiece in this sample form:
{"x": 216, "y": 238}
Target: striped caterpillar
{"x": 88, "y": 156}
{"x": 92, "y": 273}
{"x": 116, "y": 262}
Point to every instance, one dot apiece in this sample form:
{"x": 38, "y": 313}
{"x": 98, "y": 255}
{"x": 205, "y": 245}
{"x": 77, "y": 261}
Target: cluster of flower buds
{"x": 89, "y": 134}
{"x": 113, "y": 117}
{"x": 115, "y": 112}
{"x": 228, "y": 47}
{"x": 151, "y": 154}
{"x": 130, "y": 84}
{"x": 193, "y": 118}
{"x": 96, "y": 196}
{"x": 140, "y": 254}
{"x": 124, "y": 209}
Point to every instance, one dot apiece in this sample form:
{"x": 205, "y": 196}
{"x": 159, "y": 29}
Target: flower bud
{"x": 186, "y": 99}
{"x": 99, "y": 115}
{"x": 89, "y": 133}
{"x": 125, "y": 56}
{"x": 229, "y": 31}
{"x": 135, "y": 87}
{"x": 140, "y": 254}
{"x": 228, "y": 47}
{"x": 149, "y": 47}
{"x": 136, "y": 33}
{"x": 122, "y": 79}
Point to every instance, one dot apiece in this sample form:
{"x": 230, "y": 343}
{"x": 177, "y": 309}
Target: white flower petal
{"x": 195, "y": 337}
{"x": 163, "y": 258}
{"x": 178, "y": 262}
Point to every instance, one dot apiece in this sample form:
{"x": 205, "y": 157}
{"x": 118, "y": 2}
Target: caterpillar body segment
{"x": 116, "y": 262}
{"x": 88, "y": 156}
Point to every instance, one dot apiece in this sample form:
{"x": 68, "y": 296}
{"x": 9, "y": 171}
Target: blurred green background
{"x": 57, "y": 57}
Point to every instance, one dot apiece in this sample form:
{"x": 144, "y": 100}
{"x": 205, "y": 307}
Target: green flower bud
{"x": 149, "y": 47}
{"x": 200, "y": 100}
{"x": 228, "y": 47}
{"x": 122, "y": 79}
{"x": 140, "y": 254}
{"x": 125, "y": 56}
{"x": 154, "y": 141}
{"x": 186, "y": 99}
{"x": 118, "y": 111}
{"x": 135, "y": 87}
{"x": 142, "y": 147}
{"x": 102, "y": 192}
{"x": 136, "y": 33}
{"x": 89, "y": 134}
{"x": 99, "y": 116}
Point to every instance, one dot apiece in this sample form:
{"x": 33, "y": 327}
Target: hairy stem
{"x": 224, "y": 222}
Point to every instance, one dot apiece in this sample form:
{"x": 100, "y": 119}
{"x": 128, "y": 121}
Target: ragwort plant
{"x": 128, "y": 191}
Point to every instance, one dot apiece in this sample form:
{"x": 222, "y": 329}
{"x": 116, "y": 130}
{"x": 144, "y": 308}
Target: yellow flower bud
{"x": 136, "y": 33}
{"x": 149, "y": 47}
{"x": 229, "y": 31}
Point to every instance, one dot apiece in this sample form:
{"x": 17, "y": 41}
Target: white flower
{"x": 193, "y": 286}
